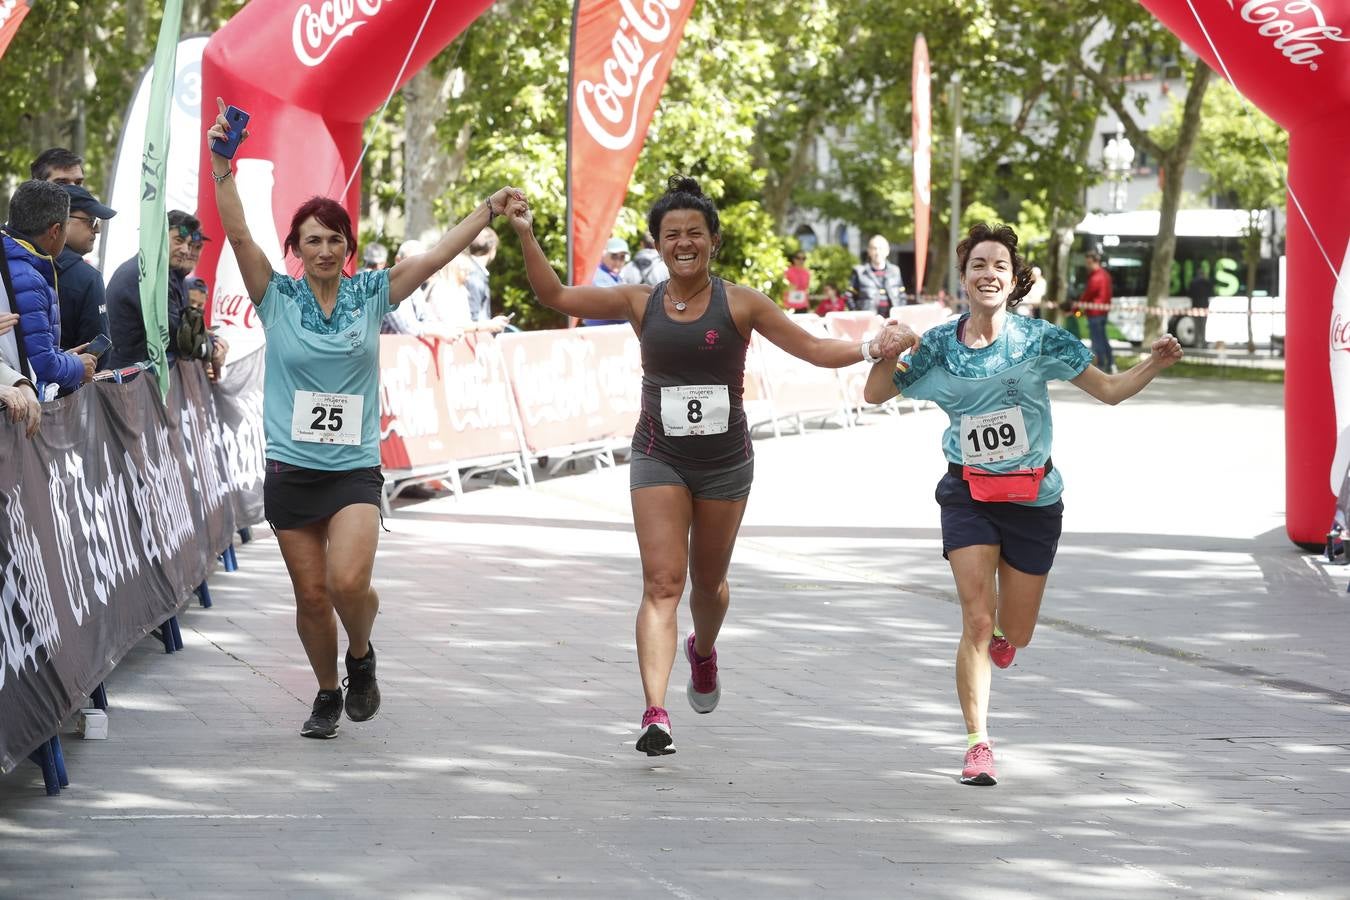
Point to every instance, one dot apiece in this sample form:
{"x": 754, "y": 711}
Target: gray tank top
{"x": 693, "y": 380}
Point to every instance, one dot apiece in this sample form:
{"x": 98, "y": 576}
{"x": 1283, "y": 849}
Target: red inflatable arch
{"x": 1292, "y": 59}
{"x": 309, "y": 72}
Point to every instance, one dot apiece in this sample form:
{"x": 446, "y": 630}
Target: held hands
{"x": 894, "y": 340}
{"x": 22, "y": 406}
{"x": 498, "y": 202}
{"x": 220, "y": 131}
{"x": 1166, "y": 351}
{"x": 519, "y": 215}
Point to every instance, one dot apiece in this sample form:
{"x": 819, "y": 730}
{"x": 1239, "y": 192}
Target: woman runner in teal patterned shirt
{"x": 1001, "y": 512}
{"x": 323, "y": 485}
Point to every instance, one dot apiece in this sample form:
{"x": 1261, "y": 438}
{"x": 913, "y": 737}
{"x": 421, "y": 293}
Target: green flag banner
{"x": 153, "y": 257}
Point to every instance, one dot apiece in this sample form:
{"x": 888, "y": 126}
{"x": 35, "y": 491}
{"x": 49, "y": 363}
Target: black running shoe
{"x": 363, "y": 694}
{"x": 324, "y": 718}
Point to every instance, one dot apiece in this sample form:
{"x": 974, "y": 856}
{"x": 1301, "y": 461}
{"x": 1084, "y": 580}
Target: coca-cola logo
{"x": 1340, "y": 333}
{"x": 1298, "y": 27}
{"x": 318, "y": 29}
{"x": 609, "y": 110}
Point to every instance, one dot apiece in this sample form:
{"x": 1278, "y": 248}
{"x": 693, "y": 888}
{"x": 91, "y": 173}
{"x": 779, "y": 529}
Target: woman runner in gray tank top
{"x": 692, "y": 459}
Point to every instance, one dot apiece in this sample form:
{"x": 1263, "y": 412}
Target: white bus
{"x": 1210, "y": 239}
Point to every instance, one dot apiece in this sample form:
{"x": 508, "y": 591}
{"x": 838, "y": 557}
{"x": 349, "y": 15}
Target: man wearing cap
{"x": 32, "y": 239}
{"x": 610, "y": 273}
{"x": 84, "y": 316}
{"x": 125, "y": 318}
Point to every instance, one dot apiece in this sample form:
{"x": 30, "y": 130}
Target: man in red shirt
{"x": 1095, "y": 303}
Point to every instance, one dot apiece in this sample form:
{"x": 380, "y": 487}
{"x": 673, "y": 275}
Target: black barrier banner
{"x": 238, "y": 401}
{"x": 109, "y": 518}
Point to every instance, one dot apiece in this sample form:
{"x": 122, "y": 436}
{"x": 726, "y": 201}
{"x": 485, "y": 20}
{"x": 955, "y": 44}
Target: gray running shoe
{"x": 363, "y": 693}
{"x": 325, "y": 716}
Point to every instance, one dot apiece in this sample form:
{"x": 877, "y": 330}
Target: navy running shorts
{"x": 1027, "y": 536}
{"x": 730, "y": 483}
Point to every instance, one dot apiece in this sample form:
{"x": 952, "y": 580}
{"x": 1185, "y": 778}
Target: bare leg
{"x": 305, "y": 552}
{"x": 662, "y": 516}
{"x": 353, "y": 534}
{"x": 974, "y": 569}
{"x": 1019, "y": 603}
{"x": 716, "y": 524}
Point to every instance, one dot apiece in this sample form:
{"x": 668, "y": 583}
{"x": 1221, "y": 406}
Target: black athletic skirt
{"x": 294, "y": 497}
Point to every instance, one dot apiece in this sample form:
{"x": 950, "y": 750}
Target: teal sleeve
{"x": 911, "y": 375}
{"x": 1063, "y": 355}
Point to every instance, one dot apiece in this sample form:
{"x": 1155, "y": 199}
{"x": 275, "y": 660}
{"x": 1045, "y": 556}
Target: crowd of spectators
{"x": 60, "y": 328}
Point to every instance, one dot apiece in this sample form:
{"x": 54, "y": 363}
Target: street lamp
{"x": 1119, "y": 158}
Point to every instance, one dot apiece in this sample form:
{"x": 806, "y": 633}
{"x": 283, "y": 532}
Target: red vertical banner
{"x": 11, "y": 14}
{"x": 621, "y": 57}
{"x": 921, "y": 136}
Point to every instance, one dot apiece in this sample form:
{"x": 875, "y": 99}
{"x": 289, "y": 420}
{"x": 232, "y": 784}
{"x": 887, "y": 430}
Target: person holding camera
{"x": 692, "y": 460}
{"x": 1001, "y": 514}
{"x": 321, "y": 417}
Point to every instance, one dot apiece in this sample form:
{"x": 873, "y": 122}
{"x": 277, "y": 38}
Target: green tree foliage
{"x": 763, "y": 95}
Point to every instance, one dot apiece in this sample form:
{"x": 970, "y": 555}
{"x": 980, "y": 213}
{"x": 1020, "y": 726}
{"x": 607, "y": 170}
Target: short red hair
{"x": 328, "y": 213}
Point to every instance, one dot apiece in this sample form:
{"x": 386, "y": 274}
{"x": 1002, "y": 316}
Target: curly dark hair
{"x": 683, "y": 192}
{"x": 999, "y": 234}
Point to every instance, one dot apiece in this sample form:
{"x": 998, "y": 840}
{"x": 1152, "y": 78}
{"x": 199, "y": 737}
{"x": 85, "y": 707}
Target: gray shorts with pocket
{"x": 730, "y": 483}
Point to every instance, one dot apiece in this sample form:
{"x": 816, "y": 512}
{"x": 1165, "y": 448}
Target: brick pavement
{"x": 1177, "y": 728}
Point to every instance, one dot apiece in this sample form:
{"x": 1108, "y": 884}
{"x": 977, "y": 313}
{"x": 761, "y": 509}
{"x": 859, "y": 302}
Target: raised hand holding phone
{"x": 228, "y": 131}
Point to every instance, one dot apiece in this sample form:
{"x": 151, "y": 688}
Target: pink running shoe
{"x": 655, "y": 739}
{"x": 703, "y": 689}
{"x": 1001, "y": 652}
{"x": 979, "y": 766}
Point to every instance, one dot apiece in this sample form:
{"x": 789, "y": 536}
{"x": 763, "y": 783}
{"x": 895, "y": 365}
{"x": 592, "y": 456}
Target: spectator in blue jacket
{"x": 34, "y": 236}
{"x": 79, "y": 286}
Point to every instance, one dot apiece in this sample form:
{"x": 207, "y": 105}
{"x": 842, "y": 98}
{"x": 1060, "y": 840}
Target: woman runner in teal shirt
{"x": 1001, "y": 513}
{"x": 321, "y": 420}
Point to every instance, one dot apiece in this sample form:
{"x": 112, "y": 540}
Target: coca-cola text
{"x": 1299, "y": 42}
{"x": 617, "y": 99}
{"x": 318, "y": 29}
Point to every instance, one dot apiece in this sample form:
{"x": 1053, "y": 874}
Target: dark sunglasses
{"x": 195, "y": 237}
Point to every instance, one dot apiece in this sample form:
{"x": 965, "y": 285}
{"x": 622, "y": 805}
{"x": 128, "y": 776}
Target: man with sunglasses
{"x": 124, "y": 298}
{"x": 79, "y": 285}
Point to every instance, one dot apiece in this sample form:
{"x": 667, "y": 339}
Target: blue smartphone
{"x": 100, "y": 345}
{"x": 237, "y": 119}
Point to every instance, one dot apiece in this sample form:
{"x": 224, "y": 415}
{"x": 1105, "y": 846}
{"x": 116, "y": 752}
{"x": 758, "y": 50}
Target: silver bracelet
{"x": 867, "y": 353}
{"x": 219, "y": 178}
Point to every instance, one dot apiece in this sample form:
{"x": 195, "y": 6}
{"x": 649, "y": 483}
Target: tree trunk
{"x": 778, "y": 192}
{"x": 426, "y": 169}
{"x": 1251, "y": 251}
{"x": 1174, "y": 168}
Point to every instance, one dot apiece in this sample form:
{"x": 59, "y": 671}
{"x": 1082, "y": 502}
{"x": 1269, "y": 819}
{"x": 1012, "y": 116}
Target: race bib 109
{"x": 993, "y": 437}
{"x": 327, "y": 418}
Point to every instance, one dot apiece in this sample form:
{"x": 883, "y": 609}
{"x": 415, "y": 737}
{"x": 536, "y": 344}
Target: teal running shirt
{"x": 995, "y": 398}
{"x": 321, "y": 391}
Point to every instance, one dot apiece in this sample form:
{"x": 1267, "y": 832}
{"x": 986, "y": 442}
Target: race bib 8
{"x": 327, "y": 418}
{"x": 993, "y": 437}
{"x": 694, "y": 409}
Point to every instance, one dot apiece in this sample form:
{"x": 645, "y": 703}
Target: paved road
{"x": 1177, "y": 729}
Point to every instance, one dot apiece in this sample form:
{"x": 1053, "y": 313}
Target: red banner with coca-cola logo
{"x": 622, "y": 51}
{"x": 308, "y": 74}
{"x": 1292, "y": 59}
{"x": 11, "y": 14}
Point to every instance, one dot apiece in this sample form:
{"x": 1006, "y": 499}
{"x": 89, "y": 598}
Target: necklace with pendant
{"x": 682, "y": 305}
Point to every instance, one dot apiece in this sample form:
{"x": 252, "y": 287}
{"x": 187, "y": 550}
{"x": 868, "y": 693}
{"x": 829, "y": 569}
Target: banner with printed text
{"x": 109, "y": 518}
{"x": 622, "y": 51}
